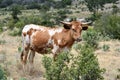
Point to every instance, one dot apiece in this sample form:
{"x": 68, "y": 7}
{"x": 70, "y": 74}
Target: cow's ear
{"x": 66, "y": 25}
{"x": 84, "y": 27}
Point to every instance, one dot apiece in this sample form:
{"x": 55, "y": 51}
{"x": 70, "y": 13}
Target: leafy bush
{"x": 2, "y": 74}
{"x": 2, "y": 42}
{"x": 67, "y": 67}
{"x": 54, "y": 70}
{"x": 105, "y": 47}
{"x": 109, "y": 25}
{"x": 22, "y": 78}
{"x": 88, "y": 64}
{"x": 115, "y": 9}
{"x": 94, "y": 17}
{"x": 91, "y": 37}
{"x": 33, "y": 6}
{"x": 15, "y": 12}
{"x": 15, "y": 32}
{"x": 17, "y": 26}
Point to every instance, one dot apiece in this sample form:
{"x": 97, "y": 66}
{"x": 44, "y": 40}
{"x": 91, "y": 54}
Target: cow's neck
{"x": 68, "y": 37}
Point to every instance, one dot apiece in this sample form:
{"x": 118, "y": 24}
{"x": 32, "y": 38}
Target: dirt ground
{"x": 10, "y": 59}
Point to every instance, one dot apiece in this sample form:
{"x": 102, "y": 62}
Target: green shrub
{"x": 115, "y": 9}
{"x": 19, "y": 24}
{"x": 118, "y": 77}
{"x": 88, "y": 65}
{"x": 105, "y": 47}
{"x": 94, "y": 17}
{"x": 11, "y": 24}
{"x": 2, "y": 42}
{"x": 2, "y": 74}
{"x": 67, "y": 67}
{"x": 1, "y": 25}
{"x": 109, "y": 25}
{"x": 19, "y": 49}
{"x": 77, "y": 11}
{"x": 91, "y": 37}
{"x": 22, "y": 78}
{"x": 15, "y": 32}
{"x": 54, "y": 70}
{"x": 15, "y": 12}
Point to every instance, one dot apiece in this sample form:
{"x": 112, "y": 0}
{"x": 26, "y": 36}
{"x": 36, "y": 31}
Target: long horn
{"x": 86, "y": 23}
{"x": 63, "y": 22}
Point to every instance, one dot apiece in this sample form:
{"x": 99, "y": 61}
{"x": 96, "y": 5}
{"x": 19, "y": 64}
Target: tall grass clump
{"x": 109, "y": 25}
{"x": 84, "y": 66}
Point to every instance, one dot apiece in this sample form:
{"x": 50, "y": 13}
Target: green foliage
{"x": 2, "y": 42}
{"x": 109, "y": 25}
{"x": 105, "y": 47}
{"x": 15, "y": 11}
{"x": 88, "y": 64}
{"x": 19, "y": 49}
{"x": 67, "y": 67}
{"x": 54, "y": 70}
{"x": 91, "y": 37}
{"x": 118, "y": 77}
{"x": 61, "y": 14}
{"x": 1, "y": 25}
{"x": 94, "y": 17}
{"x": 5, "y": 3}
{"x": 34, "y": 6}
{"x": 44, "y": 7}
{"x": 22, "y": 78}
{"x": 115, "y": 9}
{"x": 64, "y": 3}
{"x": 44, "y": 18}
{"x": 15, "y": 32}
{"x": 118, "y": 69}
{"x": 2, "y": 74}
{"x": 94, "y": 5}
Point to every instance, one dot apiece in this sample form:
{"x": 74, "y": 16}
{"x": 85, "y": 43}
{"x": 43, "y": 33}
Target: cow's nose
{"x": 78, "y": 39}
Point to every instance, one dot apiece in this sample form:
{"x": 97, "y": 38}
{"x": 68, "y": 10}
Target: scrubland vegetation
{"x": 91, "y": 59}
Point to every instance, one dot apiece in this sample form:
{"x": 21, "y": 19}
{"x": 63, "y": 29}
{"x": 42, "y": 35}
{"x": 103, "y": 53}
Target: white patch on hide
{"x": 59, "y": 41}
{"x": 55, "y": 49}
{"x": 53, "y": 31}
{"x": 33, "y": 26}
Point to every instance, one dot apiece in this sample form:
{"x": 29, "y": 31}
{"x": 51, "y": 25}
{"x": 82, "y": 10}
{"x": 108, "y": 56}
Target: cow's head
{"x": 75, "y": 28}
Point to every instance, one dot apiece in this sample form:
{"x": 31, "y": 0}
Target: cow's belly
{"x": 40, "y": 41}
{"x": 42, "y": 50}
{"x": 41, "y": 46}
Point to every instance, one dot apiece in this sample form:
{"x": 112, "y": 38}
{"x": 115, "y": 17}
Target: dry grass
{"x": 11, "y": 62}
{"x": 110, "y": 60}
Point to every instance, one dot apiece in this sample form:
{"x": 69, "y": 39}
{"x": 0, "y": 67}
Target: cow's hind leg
{"x": 21, "y": 56}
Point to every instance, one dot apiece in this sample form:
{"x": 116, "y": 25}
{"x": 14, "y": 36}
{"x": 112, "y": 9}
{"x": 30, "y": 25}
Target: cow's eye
{"x": 74, "y": 30}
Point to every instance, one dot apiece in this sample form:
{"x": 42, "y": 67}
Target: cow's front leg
{"x": 24, "y": 55}
{"x": 31, "y": 56}
{"x": 55, "y": 51}
{"x": 31, "y": 59}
